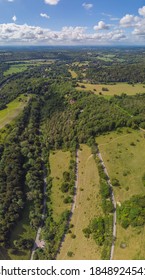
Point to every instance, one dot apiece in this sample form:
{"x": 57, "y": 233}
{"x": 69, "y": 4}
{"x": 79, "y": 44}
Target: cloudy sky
{"x": 72, "y": 22}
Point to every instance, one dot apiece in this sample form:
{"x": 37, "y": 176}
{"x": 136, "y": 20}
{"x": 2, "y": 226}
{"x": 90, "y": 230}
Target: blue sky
{"x": 72, "y": 22}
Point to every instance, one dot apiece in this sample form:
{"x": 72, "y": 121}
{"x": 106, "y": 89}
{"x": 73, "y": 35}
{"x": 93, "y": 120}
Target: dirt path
{"x": 39, "y": 243}
{"x": 114, "y": 204}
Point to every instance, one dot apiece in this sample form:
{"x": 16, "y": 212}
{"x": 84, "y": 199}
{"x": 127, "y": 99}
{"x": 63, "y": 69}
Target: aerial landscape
{"x": 72, "y": 130}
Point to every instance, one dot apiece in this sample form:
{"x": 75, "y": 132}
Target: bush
{"x": 64, "y": 187}
{"x": 115, "y": 182}
{"x": 87, "y": 232}
{"x": 73, "y": 236}
{"x": 105, "y": 89}
{"x": 132, "y": 144}
{"x": 68, "y": 199}
{"x": 70, "y": 254}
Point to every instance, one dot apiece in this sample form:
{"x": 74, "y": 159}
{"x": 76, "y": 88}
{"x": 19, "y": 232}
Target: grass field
{"x": 15, "y": 68}
{"x": 134, "y": 239}
{"x": 59, "y": 162}
{"x": 20, "y": 67}
{"x": 107, "y": 58}
{"x": 123, "y": 156}
{"x": 88, "y": 205}
{"x": 117, "y": 89}
{"x": 85, "y": 63}
{"x": 73, "y": 74}
{"x": 13, "y": 109}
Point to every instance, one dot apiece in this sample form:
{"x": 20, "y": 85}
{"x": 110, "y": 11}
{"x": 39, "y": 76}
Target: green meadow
{"x": 114, "y": 89}
{"x": 13, "y": 109}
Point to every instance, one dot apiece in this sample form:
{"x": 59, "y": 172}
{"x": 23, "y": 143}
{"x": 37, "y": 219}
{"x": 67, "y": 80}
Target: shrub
{"x": 70, "y": 254}
{"x": 105, "y": 89}
{"x": 73, "y": 236}
{"x": 115, "y": 182}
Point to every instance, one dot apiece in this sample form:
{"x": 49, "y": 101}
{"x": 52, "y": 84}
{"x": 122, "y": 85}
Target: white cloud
{"x": 14, "y": 18}
{"x": 118, "y": 35}
{"x": 10, "y": 0}
{"x": 72, "y": 33}
{"x": 139, "y": 31}
{"x": 141, "y": 11}
{"x": 44, "y": 15}
{"x": 101, "y": 26}
{"x": 140, "y": 28}
{"x": 129, "y": 21}
{"x": 51, "y": 2}
{"x": 110, "y": 37}
{"x": 87, "y": 6}
{"x": 136, "y": 22}
{"x": 13, "y": 33}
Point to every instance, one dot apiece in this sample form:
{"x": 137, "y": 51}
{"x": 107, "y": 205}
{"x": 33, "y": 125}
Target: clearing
{"x": 88, "y": 206}
{"x": 13, "y": 109}
{"x": 113, "y": 89}
{"x": 122, "y": 153}
{"x": 15, "y": 68}
{"x": 73, "y": 73}
{"x": 21, "y": 66}
{"x": 22, "y": 230}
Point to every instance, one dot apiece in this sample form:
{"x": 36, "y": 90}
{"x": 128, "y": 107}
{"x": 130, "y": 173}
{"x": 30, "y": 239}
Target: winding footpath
{"x": 39, "y": 243}
{"x": 114, "y": 204}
